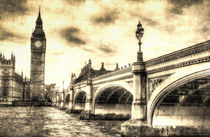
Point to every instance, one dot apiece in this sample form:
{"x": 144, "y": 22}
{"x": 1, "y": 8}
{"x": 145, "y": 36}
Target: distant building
{"x": 11, "y": 83}
{"x": 50, "y": 92}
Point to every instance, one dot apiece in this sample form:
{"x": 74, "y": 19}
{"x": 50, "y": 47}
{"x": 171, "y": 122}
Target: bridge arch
{"x": 117, "y": 93}
{"x": 181, "y": 77}
{"x": 79, "y": 100}
{"x": 66, "y": 100}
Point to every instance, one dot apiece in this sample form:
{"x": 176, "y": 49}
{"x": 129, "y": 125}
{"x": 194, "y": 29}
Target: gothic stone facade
{"x": 11, "y": 83}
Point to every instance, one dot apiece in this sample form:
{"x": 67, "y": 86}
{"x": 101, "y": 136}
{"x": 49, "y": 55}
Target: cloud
{"x": 204, "y": 32}
{"x": 206, "y": 11}
{"x": 75, "y": 2}
{"x": 145, "y": 18}
{"x": 106, "y": 49}
{"x": 12, "y": 7}
{"x": 88, "y": 50}
{"x": 7, "y": 35}
{"x": 106, "y": 18}
{"x": 149, "y": 21}
{"x": 179, "y": 5}
{"x": 71, "y": 35}
{"x": 58, "y": 53}
{"x": 205, "y": 29}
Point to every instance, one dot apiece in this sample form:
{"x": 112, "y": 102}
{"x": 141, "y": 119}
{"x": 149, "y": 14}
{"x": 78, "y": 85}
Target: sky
{"x": 100, "y": 30}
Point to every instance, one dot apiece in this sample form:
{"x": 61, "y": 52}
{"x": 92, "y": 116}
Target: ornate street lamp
{"x": 63, "y": 94}
{"x": 139, "y": 34}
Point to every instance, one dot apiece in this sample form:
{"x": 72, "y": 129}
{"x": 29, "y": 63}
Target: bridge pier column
{"x": 89, "y": 97}
{"x": 70, "y": 106}
{"x": 138, "y": 122}
{"x": 139, "y": 100}
{"x": 61, "y": 105}
{"x": 88, "y": 103}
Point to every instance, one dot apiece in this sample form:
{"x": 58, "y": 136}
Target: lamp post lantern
{"x": 139, "y": 35}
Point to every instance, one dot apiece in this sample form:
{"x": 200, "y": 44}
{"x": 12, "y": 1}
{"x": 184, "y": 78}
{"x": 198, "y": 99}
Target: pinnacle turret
{"x": 102, "y": 67}
{"x": 6, "y": 61}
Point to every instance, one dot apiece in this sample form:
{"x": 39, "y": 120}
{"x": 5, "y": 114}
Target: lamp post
{"x": 139, "y": 78}
{"x": 139, "y": 35}
{"x": 139, "y": 105}
{"x": 63, "y": 94}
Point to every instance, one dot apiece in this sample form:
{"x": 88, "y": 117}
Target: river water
{"x": 51, "y": 122}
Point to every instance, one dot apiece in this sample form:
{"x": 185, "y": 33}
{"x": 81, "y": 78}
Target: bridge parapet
{"x": 117, "y": 75}
{"x": 114, "y": 73}
{"x": 125, "y": 75}
{"x": 79, "y": 84}
{"x": 195, "y": 49}
{"x": 195, "y": 54}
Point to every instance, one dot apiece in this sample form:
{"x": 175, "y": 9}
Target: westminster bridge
{"x": 167, "y": 95}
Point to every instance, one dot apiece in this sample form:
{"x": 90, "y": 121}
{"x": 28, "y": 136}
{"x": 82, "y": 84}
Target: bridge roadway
{"x": 171, "y": 92}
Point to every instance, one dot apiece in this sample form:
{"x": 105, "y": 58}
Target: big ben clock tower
{"x": 38, "y": 48}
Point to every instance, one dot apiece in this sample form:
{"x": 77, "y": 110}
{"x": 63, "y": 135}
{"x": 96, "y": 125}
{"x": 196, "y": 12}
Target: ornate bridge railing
{"x": 195, "y": 49}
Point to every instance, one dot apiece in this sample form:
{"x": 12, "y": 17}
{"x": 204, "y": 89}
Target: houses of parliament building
{"x": 15, "y": 87}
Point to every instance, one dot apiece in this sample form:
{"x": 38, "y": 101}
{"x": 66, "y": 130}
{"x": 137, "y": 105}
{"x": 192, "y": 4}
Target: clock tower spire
{"x": 38, "y": 48}
{"x": 39, "y": 32}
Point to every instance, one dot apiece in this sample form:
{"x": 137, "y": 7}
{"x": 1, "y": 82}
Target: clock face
{"x": 38, "y": 44}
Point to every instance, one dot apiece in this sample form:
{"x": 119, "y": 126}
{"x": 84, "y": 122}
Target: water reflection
{"x": 48, "y": 121}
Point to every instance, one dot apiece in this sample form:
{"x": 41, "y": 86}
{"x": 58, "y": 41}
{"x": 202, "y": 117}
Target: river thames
{"x": 51, "y": 122}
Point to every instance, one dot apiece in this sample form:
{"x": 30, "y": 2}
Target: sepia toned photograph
{"x": 104, "y": 68}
